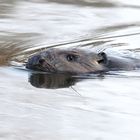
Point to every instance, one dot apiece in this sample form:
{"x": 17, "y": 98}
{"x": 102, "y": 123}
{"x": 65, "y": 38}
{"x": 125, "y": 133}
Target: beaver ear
{"x": 102, "y": 58}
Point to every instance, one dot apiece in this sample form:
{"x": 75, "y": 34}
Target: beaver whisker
{"x": 49, "y": 67}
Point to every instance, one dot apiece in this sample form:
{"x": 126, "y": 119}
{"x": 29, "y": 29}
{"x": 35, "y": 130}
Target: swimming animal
{"x": 78, "y": 61}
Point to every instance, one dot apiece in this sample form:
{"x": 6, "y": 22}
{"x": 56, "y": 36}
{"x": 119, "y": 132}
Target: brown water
{"x": 37, "y": 106}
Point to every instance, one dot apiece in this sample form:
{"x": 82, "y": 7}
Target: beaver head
{"x": 67, "y": 61}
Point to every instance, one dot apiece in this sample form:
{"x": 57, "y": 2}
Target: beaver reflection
{"x": 52, "y": 81}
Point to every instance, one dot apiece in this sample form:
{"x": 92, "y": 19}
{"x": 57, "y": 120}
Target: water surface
{"x": 43, "y": 106}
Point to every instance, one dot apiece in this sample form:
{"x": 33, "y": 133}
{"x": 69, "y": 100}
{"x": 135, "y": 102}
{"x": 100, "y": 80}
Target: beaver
{"x": 78, "y": 61}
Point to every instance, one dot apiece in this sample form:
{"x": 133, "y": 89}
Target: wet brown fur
{"x": 56, "y": 61}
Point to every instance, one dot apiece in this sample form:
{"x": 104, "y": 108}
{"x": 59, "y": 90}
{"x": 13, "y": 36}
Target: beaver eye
{"x": 71, "y": 57}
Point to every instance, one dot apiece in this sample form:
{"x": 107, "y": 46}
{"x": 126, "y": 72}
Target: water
{"x": 43, "y": 106}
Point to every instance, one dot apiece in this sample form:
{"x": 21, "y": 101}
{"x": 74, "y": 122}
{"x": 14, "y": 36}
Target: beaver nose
{"x": 41, "y": 61}
{"x": 34, "y": 61}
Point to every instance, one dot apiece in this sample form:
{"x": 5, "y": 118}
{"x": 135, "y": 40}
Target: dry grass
{"x": 8, "y": 51}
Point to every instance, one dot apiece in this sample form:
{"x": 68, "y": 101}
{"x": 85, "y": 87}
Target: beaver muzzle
{"x": 37, "y": 62}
